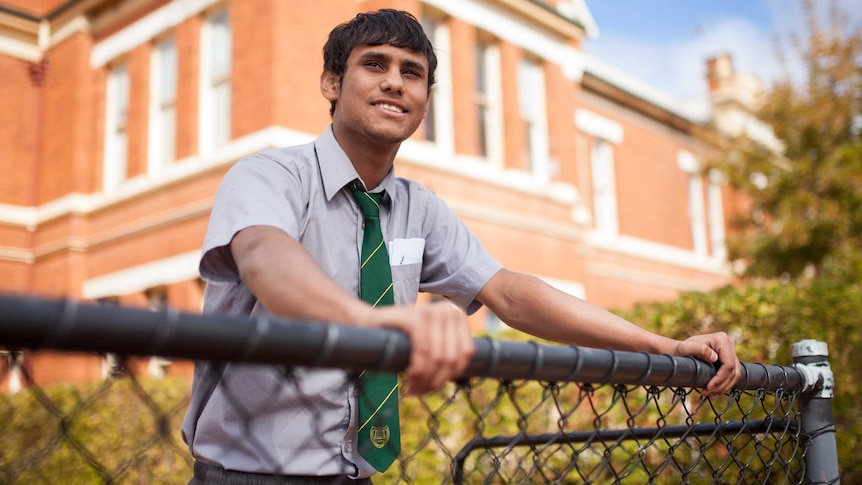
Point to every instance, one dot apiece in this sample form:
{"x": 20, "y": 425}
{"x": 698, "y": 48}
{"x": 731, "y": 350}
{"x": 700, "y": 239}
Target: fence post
{"x": 810, "y": 357}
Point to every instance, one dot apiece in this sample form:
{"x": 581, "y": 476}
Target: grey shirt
{"x": 255, "y": 419}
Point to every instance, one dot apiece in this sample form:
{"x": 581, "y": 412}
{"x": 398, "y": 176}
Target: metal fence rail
{"x": 525, "y": 413}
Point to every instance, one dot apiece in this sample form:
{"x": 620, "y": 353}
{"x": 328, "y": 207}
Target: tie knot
{"x": 369, "y": 203}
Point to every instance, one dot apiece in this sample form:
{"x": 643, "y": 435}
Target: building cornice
{"x": 19, "y": 34}
{"x": 545, "y": 16}
{"x": 28, "y": 36}
{"x": 527, "y": 27}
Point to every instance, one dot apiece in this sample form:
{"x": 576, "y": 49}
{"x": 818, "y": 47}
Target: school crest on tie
{"x": 379, "y": 436}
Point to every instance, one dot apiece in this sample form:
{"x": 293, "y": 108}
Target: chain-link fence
{"x": 527, "y": 413}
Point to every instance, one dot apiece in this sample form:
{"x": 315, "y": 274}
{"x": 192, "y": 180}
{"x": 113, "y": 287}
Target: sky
{"x": 666, "y": 42}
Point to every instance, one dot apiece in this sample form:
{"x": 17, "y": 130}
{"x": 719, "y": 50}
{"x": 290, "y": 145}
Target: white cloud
{"x": 678, "y": 66}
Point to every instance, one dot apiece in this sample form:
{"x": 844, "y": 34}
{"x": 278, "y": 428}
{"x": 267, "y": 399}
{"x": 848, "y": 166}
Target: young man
{"x": 285, "y": 238}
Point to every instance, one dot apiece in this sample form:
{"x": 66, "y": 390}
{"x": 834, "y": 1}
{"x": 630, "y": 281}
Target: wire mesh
{"x": 528, "y": 413}
{"x": 125, "y": 429}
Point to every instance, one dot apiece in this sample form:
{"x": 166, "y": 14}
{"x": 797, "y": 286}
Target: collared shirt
{"x": 256, "y": 420}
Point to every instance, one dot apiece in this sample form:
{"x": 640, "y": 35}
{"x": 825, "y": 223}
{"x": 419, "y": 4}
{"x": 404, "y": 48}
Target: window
{"x": 715, "y": 206}
{"x": 437, "y": 126}
{"x": 489, "y": 102}
{"x": 216, "y": 60}
{"x": 696, "y": 213}
{"x": 163, "y": 111}
{"x": 116, "y": 121}
{"x": 531, "y": 95}
{"x": 689, "y": 164}
{"x": 604, "y": 187}
{"x": 430, "y": 26}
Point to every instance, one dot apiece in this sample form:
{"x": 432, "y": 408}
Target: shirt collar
{"x": 336, "y": 169}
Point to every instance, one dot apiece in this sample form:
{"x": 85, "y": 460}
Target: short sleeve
{"x": 261, "y": 190}
{"x": 456, "y": 264}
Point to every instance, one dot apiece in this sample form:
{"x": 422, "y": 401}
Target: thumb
{"x": 708, "y": 354}
{"x": 702, "y": 350}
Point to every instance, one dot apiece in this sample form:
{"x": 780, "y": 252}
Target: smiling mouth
{"x": 389, "y": 107}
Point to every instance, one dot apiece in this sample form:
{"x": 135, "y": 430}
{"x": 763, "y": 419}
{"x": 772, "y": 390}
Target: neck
{"x": 372, "y": 159}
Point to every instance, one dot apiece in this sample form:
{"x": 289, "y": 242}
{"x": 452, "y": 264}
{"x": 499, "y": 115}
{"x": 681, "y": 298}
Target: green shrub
{"x": 120, "y": 430}
{"x": 766, "y": 318}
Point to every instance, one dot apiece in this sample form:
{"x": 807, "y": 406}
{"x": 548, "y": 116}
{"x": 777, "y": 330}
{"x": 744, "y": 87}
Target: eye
{"x": 412, "y": 73}
{"x": 374, "y": 64}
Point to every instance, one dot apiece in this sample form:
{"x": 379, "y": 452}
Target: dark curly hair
{"x": 382, "y": 27}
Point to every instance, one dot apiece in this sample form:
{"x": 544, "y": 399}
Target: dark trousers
{"x": 206, "y": 474}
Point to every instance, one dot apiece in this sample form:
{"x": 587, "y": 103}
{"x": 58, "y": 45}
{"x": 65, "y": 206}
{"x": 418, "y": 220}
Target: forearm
{"x": 288, "y": 282}
{"x": 532, "y": 306}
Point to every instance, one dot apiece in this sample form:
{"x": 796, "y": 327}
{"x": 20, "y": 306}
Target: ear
{"x": 329, "y": 85}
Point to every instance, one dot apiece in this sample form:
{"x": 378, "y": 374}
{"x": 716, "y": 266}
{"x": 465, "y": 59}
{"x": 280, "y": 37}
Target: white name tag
{"x": 406, "y": 251}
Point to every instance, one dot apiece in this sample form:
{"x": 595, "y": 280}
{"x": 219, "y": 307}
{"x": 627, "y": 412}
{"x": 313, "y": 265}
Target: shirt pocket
{"x": 405, "y": 282}
{"x": 405, "y": 258}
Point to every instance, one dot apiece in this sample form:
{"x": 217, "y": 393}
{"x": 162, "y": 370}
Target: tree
{"x": 807, "y": 200}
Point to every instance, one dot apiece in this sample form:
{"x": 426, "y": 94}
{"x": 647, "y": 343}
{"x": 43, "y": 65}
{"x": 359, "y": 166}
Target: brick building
{"x": 121, "y": 116}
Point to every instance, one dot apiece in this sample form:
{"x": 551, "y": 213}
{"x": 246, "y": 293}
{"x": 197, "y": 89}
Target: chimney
{"x": 719, "y": 73}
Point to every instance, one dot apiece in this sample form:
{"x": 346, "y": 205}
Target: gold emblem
{"x": 379, "y": 436}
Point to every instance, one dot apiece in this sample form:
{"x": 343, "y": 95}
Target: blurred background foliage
{"x": 798, "y": 251}
{"x": 766, "y": 317}
{"x": 120, "y": 430}
{"x": 806, "y": 201}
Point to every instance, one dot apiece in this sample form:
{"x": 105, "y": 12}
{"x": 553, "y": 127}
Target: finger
{"x": 460, "y": 342}
{"x": 721, "y": 384}
{"x": 723, "y": 381}
{"x": 439, "y": 351}
{"x": 467, "y": 348}
{"x": 698, "y": 348}
{"x": 725, "y": 378}
{"x": 417, "y": 371}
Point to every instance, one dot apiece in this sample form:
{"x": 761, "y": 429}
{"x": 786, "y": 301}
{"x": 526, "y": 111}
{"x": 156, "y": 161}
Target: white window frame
{"x": 715, "y": 208}
{"x": 605, "y": 211}
{"x": 533, "y": 114}
{"x": 489, "y": 101}
{"x": 161, "y": 150}
{"x": 597, "y": 125}
{"x": 689, "y": 164}
{"x": 697, "y": 214}
{"x": 117, "y": 97}
{"x": 214, "y": 125}
{"x": 441, "y": 107}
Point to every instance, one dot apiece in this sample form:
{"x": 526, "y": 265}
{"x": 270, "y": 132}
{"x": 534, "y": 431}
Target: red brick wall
{"x": 138, "y": 61}
{"x": 561, "y": 125}
{"x": 18, "y": 98}
{"x": 463, "y": 61}
{"x": 188, "y": 54}
{"x": 652, "y": 189}
{"x": 513, "y": 128}
{"x": 72, "y": 145}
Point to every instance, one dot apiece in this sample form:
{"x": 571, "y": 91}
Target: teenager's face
{"x": 383, "y": 94}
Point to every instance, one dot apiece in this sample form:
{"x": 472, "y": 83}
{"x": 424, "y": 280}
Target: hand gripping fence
{"x": 523, "y": 413}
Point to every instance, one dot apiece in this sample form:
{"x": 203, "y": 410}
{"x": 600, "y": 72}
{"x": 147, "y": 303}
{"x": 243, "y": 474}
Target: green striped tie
{"x": 379, "y": 428}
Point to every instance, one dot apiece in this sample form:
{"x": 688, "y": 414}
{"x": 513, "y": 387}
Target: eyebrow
{"x": 381, "y": 56}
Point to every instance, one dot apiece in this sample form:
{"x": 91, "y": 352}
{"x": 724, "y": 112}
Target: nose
{"x": 392, "y": 81}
